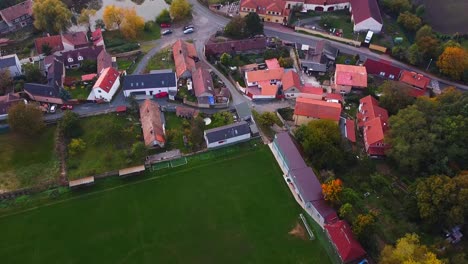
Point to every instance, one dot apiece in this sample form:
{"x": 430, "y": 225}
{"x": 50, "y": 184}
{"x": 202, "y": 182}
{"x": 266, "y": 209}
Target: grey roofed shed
{"x": 228, "y": 131}
{"x": 152, "y": 80}
{"x": 243, "y": 111}
{"x": 307, "y": 183}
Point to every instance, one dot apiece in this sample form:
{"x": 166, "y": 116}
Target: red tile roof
{"x": 104, "y": 60}
{"x": 265, "y": 75}
{"x": 88, "y": 77}
{"x": 151, "y": 122}
{"x": 96, "y": 35}
{"x": 10, "y": 13}
{"x": 202, "y": 82}
{"x": 272, "y": 63}
{"x": 374, "y": 130}
{"x": 415, "y": 79}
{"x": 364, "y": 9}
{"x": 291, "y": 79}
{"x": 351, "y": 75}
{"x": 106, "y": 79}
{"x": 369, "y": 109}
{"x": 183, "y": 53}
{"x": 76, "y": 39}
{"x": 55, "y": 42}
{"x": 350, "y": 130}
{"x": 342, "y": 237}
{"x": 382, "y": 68}
{"x": 262, "y": 6}
{"x": 309, "y": 89}
{"x": 317, "y": 109}
{"x": 268, "y": 88}
{"x": 333, "y": 96}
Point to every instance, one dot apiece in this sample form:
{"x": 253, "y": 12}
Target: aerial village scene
{"x": 218, "y": 131}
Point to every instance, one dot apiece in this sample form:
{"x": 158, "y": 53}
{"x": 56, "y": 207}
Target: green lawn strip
{"x": 162, "y": 60}
{"x": 174, "y": 124}
{"x": 79, "y": 91}
{"x": 27, "y": 161}
{"x": 195, "y": 215}
{"x": 99, "y": 156}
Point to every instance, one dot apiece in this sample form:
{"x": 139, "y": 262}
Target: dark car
{"x": 167, "y": 32}
{"x": 165, "y": 25}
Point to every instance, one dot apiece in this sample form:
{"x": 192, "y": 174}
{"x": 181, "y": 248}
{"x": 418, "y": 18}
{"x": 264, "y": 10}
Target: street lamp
{"x": 428, "y": 65}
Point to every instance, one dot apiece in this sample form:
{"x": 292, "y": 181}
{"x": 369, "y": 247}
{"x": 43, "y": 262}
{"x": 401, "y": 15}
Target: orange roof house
{"x": 272, "y": 63}
{"x": 263, "y": 83}
{"x": 308, "y": 109}
{"x": 369, "y": 109}
{"x": 417, "y": 81}
{"x": 373, "y": 120}
{"x": 291, "y": 84}
{"x": 349, "y": 76}
{"x": 152, "y": 124}
{"x": 185, "y": 56}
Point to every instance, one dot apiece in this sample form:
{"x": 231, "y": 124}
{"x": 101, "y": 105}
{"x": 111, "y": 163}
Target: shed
{"x": 228, "y": 134}
{"x": 131, "y": 171}
{"x": 81, "y": 182}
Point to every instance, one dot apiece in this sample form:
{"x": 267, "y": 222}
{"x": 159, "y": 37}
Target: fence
{"x": 328, "y": 36}
{"x": 378, "y": 48}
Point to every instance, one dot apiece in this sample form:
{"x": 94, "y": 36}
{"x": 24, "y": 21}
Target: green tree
{"x": 253, "y": 24}
{"x": 409, "y": 21}
{"x": 70, "y": 125}
{"x": 85, "y": 17}
{"x": 322, "y": 143}
{"x": 267, "y": 119}
{"x": 138, "y": 150}
{"x": 396, "y": 6}
{"x": 424, "y": 31}
{"x": 225, "y": 59}
{"x": 222, "y": 118}
{"x": 180, "y": 9}
{"x": 346, "y": 210}
{"x": 5, "y": 80}
{"x": 413, "y": 55}
{"x": 52, "y": 16}
{"x": 195, "y": 136}
{"x": 235, "y": 28}
{"x": 363, "y": 223}
{"x": 395, "y": 96}
{"x": 89, "y": 66}
{"x": 134, "y": 107}
{"x": 163, "y": 17}
{"x": 408, "y": 249}
{"x": 420, "y": 10}
{"x": 32, "y": 73}
{"x": 26, "y": 119}
{"x": 76, "y": 146}
{"x": 286, "y": 62}
{"x": 46, "y": 49}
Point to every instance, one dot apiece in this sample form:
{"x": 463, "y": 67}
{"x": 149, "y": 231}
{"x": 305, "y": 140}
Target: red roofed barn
{"x": 152, "y": 124}
{"x": 106, "y": 85}
{"x": 382, "y": 68}
{"x": 366, "y": 16}
{"x": 309, "y": 109}
{"x": 342, "y": 238}
{"x": 185, "y": 56}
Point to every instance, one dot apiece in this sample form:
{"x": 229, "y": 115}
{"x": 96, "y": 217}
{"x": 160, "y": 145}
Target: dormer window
{"x": 70, "y": 59}
{"x": 80, "y": 58}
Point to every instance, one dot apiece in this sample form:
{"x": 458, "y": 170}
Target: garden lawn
{"x": 79, "y": 91}
{"x": 108, "y": 140}
{"x": 27, "y": 161}
{"x": 234, "y": 208}
{"x": 162, "y": 60}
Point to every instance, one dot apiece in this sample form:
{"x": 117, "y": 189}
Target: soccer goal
{"x": 178, "y": 162}
{"x": 160, "y": 166}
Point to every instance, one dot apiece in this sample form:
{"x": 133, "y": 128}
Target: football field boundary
{"x": 123, "y": 185}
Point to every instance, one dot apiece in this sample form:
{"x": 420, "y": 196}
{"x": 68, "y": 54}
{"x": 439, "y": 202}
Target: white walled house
{"x": 325, "y": 5}
{"x": 366, "y": 16}
{"x": 12, "y": 63}
{"x": 150, "y": 85}
{"x": 226, "y": 135}
{"x": 106, "y": 85}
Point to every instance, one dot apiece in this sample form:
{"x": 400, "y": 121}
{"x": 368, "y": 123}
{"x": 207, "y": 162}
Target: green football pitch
{"x": 229, "y": 209}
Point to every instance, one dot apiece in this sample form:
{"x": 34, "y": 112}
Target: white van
{"x": 188, "y": 31}
{"x": 368, "y": 37}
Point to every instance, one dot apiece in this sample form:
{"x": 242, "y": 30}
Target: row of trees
{"x": 178, "y": 11}
{"x": 243, "y": 27}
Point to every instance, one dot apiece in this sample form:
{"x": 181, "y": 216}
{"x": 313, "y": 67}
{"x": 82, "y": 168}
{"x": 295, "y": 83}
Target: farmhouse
{"x": 74, "y": 58}
{"x": 152, "y": 124}
{"x": 291, "y": 84}
{"x": 64, "y": 42}
{"x": 232, "y": 47}
{"x": 373, "y": 119}
{"x": 12, "y": 64}
{"x": 43, "y": 93}
{"x": 316, "y": 59}
{"x": 311, "y": 92}
{"x": 417, "y": 81}
{"x": 348, "y": 77}
{"x": 106, "y": 85}
{"x": 365, "y": 15}
{"x": 225, "y": 135}
{"x": 203, "y": 87}
{"x": 185, "y": 57}
{"x": 382, "y": 68}
{"x": 16, "y": 17}
{"x": 307, "y": 109}
{"x": 342, "y": 238}
{"x": 149, "y": 85}
{"x": 263, "y": 84}
{"x": 267, "y": 10}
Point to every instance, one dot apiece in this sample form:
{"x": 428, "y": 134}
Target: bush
{"x": 163, "y": 17}
{"x": 76, "y": 146}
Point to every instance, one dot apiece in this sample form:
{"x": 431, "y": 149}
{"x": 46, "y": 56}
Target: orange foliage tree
{"x": 113, "y": 16}
{"x": 453, "y": 62}
{"x": 332, "y": 189}
{"x": 132, "y": 24}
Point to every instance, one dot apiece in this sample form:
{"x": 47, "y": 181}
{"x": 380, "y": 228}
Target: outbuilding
{"x": 226, "y": 135}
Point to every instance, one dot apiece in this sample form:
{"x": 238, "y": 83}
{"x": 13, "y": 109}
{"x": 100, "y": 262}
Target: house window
{"x": 99, "y": 91}
{"x": 80, "y": 58}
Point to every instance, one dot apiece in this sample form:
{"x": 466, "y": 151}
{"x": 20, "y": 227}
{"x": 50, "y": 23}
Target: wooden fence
{"x": 329, "y": 36}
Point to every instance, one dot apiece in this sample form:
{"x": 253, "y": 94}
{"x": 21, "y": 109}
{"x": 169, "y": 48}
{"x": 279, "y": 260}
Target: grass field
{"x": 162, "y": 60}
{"x": 27, "y": 161}
{"x": 108, "y": 139}
{"x": 448, "y": 16}
{"x": 227, "y": 209}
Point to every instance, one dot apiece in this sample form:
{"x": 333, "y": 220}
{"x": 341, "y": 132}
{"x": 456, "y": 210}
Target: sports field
{"x": 216, "y": 209}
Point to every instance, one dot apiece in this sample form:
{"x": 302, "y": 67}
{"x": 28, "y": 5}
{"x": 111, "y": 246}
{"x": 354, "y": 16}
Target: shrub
{"x": 76, "y": 146}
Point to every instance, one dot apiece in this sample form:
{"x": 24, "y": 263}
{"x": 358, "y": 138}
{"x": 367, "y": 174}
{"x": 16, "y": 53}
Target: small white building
{"x": 226, "y": 135}
{"x": 106, "y": 85}
{"x": 325, "y": 6}
{"x": 11, "y": 63}
{"x": 157, "y": 83}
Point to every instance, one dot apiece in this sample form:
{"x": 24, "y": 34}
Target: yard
{"x": 162, "y": 60}
{"x": 174, "y": 124}
{"x": 226, "y": 206}
{"x": 79, "y": 91}
{"x": 26, "y": 162}
{"x": 109, "y": 139}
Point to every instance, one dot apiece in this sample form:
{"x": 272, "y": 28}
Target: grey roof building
{"x": 243, "y": 111}
{"x": 227, "y": 134}
{"x": 318, "y": 58}
{"x": 152, "y": 80}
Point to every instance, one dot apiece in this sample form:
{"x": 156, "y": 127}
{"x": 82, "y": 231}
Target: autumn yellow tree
{"x": 51, "y": 16}
{"x": 332, "y": 189}
{"x": 362, "y": 223}
{"x": 453, "y": 62}
{"x": 132, "y": 24}
{"x": 180, "y": 9}
{"x": 113, "y": 16}
{"x": 85, "y": 16}
{"x": 408, "y": 250}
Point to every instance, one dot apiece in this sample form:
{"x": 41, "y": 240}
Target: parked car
{"x": 66, "y": 107}
{"x": 161, "y": 95}
{"x": 52, "y": 108}
{"x": 165, "y": 25}
{"x": 188, "y": 31}
{"x": 188, "y": 26}
{"x": 167, "y": 32}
